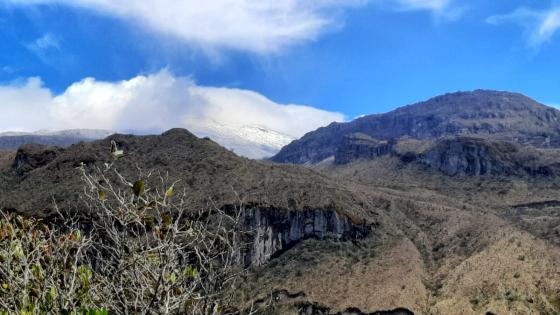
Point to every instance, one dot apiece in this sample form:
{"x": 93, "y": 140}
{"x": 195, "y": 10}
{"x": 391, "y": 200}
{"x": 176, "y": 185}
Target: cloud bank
{"x": 540, "y": 25}
{"x": 149, "y": 104}
{"x": 261, "y": 26}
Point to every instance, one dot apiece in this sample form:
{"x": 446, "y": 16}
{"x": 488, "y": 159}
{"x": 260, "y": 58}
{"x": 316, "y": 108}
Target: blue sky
{"x": 349, "y": 57}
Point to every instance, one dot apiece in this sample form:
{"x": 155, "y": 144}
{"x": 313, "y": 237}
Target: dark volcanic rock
{"x": 492, "y": 114}
{"x": 358, "y": 146}
{"x": 285, "y": 204}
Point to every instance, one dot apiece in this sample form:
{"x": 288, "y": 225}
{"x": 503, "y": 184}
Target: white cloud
{"x": 152, "y": 103}
{"x": 261, "y": 26}
{"x": 47, "y": 41}
{"x": 440, "y": 9}
{"x": 433, "y": 5}
{"x": 540, "y": 25}
{"x": 46, "y": 47}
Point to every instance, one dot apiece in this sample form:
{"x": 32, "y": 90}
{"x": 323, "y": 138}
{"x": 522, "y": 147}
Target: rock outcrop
{"x": 477, "y": 157}
{"x": 32, "y": 156}
{"x": 471, "y": 156}
{"x": 460, "y": 155}
{"x": 315, "y": 309}
{"x": 275, "y": 230}
{"x": 358, "y": 146}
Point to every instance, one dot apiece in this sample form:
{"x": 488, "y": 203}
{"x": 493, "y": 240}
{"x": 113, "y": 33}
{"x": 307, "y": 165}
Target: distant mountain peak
{"x": 252, "y": 141}
{"x": 496, "y": 114}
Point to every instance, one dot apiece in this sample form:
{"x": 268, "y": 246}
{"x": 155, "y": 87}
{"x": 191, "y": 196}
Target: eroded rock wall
{"x": 276, "y": 230}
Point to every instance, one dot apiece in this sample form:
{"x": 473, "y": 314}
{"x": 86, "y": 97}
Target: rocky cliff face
{"x": 469, "y": 156}
{"x": 477, "y": 157}
{"x": 276, "y": 230}
{"x": 493, "y": 114}
{"x": 361, "y": 146}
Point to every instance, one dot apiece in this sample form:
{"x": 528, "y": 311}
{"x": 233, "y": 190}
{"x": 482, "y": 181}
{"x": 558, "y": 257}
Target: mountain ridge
{"x": 251, "y": 141}
{"x": 12, "y": 140}
{"x": 494, "y": 114}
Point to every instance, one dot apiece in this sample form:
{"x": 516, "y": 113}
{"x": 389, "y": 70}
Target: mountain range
{"x": 448, "y": 206}
{"x": 491, "y": 114}
{"x": 13, "y": 140}
{"x": 251, "y": 141}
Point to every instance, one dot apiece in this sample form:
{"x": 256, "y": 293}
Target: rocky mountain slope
{"x": 470, "y": 181}
{"x": 470, "y": 239}
{"x": 206, "y": 169}
{"x": 356, "y": 238}
{"x": 491, "y": 114}
{"x": 287, "y": 203}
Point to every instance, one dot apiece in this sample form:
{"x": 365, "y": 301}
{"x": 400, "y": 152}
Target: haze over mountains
{"x": 63, "y": 138}
{"x": 448, "y": 206}
{"x": 249, "y": 140}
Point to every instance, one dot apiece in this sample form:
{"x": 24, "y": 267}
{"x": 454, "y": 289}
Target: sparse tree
{"x": 143, "y": 250}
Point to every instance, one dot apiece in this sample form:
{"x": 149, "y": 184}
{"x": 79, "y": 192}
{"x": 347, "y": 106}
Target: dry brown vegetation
{"x": 211, "y": 175}
{"x": 6, "y": 158}
{"x": 478, "y": 252}
{"x": 440, "y": 244}
{"x": 142, "y": 252}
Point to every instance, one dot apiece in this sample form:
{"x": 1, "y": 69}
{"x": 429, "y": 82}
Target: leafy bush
{"x": 142, "y": 252}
